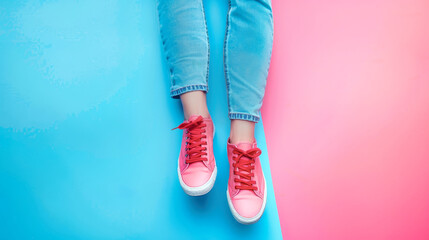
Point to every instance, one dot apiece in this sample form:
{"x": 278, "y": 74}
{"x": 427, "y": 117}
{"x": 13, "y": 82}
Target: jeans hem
{"x": 244, "y": 116}
{"x": 198, "y": 87}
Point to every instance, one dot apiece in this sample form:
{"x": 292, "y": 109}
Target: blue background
{"x": 86, "y": 149}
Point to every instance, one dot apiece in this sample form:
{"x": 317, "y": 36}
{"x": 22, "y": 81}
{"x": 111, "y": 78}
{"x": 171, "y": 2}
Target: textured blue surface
{"x": 86, "y": 149}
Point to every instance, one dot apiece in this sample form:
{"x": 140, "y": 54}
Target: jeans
{"x": 247, "y": 51}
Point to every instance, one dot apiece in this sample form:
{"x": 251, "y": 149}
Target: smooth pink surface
{"x": 198, "y": 173}
{"x": 346, "y": 115}
{"x": 247, "y": 203}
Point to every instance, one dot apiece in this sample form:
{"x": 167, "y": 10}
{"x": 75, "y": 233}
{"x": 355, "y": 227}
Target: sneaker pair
{"x": 246, "y": 192}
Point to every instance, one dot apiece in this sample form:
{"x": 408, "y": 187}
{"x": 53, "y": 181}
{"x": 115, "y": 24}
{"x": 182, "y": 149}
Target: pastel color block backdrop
{"x": 346, "y": 115}
{"x": 86, "y": 150}
{"x": 86, "y": 147}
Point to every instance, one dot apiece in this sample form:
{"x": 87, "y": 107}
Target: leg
{"x": 185, "y": 40}
{"x": 194, "y": 103}
{"x": 248, "y": 44}
{"x": 242, "y": 131}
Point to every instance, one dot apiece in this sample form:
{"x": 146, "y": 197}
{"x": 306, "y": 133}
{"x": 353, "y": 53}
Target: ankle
{"x": 194, "y": 103}
{"x": 235, "y": 139}
{"x": 203, "y": 113}
{"x": 242, "y": 131}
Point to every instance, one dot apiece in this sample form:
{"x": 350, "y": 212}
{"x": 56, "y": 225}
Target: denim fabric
{"x": 186, "y": 44}
{"x": 247, "y": 51}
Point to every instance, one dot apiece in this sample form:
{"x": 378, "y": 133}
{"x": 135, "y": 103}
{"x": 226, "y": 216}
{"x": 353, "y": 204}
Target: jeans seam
{"x": 225, "y": 56}
{"x": 270, "y": 55}
{"x": 208, "y": 45}
{"x": 170, "y": 68}
{"x": 272, "y": 43}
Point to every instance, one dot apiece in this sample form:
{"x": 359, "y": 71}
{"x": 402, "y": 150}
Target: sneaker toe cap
{"x": 196, "y": 176}
{"x": 247, "y": 207}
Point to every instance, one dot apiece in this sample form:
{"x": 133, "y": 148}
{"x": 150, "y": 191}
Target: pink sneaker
{"x": 197, "y": 167}
{"x": 247, "y": 191}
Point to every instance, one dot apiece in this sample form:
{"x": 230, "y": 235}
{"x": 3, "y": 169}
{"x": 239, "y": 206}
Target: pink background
{"x": 346, "y": 115}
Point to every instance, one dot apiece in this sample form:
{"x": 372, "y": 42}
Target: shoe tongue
{"x": 197, "y": 165}
{"x": 246, "y": 193}
{"x": 193, "y": 117}
{"x": 244, "y": 145}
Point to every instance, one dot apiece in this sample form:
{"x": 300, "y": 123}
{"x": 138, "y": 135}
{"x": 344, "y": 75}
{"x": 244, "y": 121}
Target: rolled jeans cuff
{"x": 177, "y": 92}
{"x": 244, "y": 116}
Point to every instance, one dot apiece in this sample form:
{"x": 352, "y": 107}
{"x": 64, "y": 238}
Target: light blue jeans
{"x": 247, "y": 51}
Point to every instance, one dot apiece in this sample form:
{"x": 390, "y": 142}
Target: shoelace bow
{"x": 195, "y": 133}
{"x": 244, "y": 164}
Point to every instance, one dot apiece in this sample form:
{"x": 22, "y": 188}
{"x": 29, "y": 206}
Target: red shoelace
{"x": 244, "y": 164}
{"x": 196, "y": 149}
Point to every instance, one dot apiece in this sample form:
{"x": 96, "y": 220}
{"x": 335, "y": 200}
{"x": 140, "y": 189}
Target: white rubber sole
{"x": 201, "y": 190}
{"x": 244, "y": 220}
